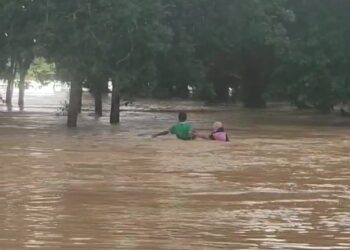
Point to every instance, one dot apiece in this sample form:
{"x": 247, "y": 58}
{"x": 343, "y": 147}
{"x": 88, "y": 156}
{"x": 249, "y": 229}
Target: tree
{"x": 159, "y": 48}
{"x": 315, "y": 69}
{"x": 238, "y": 42}
{"x": 66, "y": 44}
{"x": 8, "y": 61}
{"x": 21, "y": 25}
{"x": 96, "y": 40}
{"x": 133, "y": 35}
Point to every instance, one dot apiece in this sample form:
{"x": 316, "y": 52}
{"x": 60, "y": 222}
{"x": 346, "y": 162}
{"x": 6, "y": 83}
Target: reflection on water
{"x": 282, "y": 183}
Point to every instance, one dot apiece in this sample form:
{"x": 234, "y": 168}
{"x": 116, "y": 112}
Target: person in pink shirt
{"x": 218, "y": 133}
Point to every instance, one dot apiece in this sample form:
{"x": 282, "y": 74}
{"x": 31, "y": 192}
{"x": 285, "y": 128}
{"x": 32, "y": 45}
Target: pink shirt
{"x": 220, "y": 136}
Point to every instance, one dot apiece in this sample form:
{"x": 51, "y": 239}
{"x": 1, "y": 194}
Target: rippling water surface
{"x": 281, "y": 183}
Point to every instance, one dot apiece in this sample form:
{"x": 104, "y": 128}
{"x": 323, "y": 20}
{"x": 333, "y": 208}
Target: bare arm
{"x": 202, "y": 136}
{"x": 161, "y": 134}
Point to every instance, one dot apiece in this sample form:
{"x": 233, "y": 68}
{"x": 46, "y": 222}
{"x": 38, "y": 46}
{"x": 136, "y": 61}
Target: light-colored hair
{"x": 217, "y": 125}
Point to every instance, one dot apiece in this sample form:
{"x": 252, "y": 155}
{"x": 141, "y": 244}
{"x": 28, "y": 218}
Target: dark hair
{"x": 182, "y": 116}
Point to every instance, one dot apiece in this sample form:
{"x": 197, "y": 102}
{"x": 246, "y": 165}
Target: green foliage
{"x": 314, "y": 70}
{"x": 296, "y": 50}
{"x": 342, "y": 90}
{"x": 41, "y": 71}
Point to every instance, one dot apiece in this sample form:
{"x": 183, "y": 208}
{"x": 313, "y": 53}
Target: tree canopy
{"x": 251, "y": 51}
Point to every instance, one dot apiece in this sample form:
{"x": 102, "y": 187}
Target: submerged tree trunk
{"x": 259, "y": 63}
{"x": 181, "y": 91}
{"x": 221, "y": 91}
{"x": 253, "y": 87}
{"x": 9, "y": 92}
{"x": 80, "y": 101}
{"x": 252, "y": 96}
{"x": 74, "y": 103}
{"x": 21, "y": 87}
{"x": 10, "y": 83}
{"x": 98, "y": 102}
{"x": 23, "y": 63}
{"x": 115, "y": 105}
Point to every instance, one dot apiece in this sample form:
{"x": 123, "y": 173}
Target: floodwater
{"x": 281, "y": 183}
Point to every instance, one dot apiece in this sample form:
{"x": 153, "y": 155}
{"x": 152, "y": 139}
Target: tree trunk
{"x": 10, "y": 82}
{"x": 23, "y": 63}
{"x": 74, "y": 100}
{"x": 181, "y": 91}
{"x": 80, "y": 101}
{"x": 21, "y": 87}
{"x": 252, "y": 96}
{"x": 105, "y": 88}
{"x": 221, "y": 91}
{"x": 9, "y": 92}
{"x": 115, "y": 105}
{"x": 253, "y": 88}
{"x": 98, "y": 102}
{"x": 259, "y": 63}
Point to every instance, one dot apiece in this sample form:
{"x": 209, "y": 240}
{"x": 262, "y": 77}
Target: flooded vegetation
{"x": 281, "y": 183}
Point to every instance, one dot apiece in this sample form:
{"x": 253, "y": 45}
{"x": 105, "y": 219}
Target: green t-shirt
{"x": 182, "y": 131}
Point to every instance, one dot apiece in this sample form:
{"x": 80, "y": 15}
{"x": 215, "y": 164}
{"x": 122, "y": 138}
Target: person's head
{"x": 182, "y": 116}
{"x": 217, "y": 126}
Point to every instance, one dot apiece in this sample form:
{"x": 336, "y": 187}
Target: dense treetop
{"x": 241, "y": 50}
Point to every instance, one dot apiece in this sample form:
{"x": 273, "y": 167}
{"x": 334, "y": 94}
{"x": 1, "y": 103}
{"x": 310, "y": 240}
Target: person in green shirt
{"x": 182, "y": 130}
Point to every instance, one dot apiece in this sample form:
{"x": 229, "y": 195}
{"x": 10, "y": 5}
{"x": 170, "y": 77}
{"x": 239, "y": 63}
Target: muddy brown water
{"x": 281, "y": 183}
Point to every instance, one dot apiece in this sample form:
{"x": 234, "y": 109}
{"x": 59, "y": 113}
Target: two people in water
{"x": 184, "y": 131}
